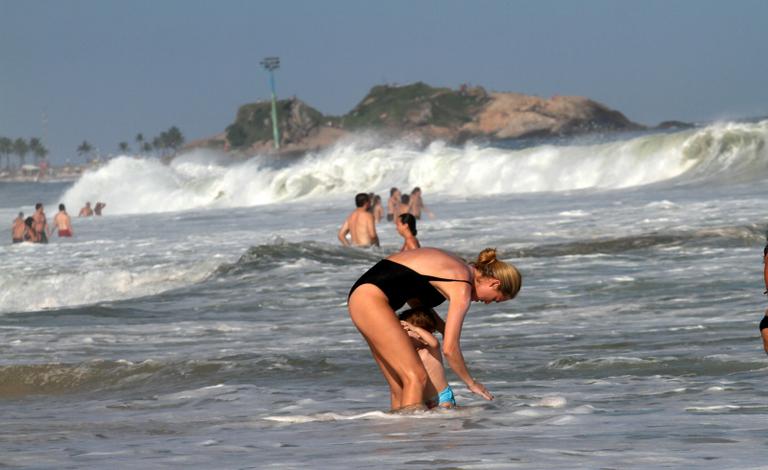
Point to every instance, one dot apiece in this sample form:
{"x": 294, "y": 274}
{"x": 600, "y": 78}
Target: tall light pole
{"x": 272, "y": 64}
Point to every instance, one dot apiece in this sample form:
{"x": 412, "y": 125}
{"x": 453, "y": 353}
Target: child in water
{"x": 420, "y": 324}
{"x": 406, "y": 227}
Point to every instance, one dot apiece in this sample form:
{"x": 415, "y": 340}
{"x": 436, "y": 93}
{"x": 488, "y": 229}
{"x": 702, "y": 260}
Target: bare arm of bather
{"x": 459, "y": 296}
{"x": 343, "y": 231}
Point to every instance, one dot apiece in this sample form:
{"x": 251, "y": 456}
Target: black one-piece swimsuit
{"x": 401, "y": 283}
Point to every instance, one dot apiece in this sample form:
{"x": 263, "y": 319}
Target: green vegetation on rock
{"x": 254, "y": 122}
{"x": 417, "y": 104}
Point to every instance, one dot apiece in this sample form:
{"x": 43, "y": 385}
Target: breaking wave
{"x": 728, "y": 151}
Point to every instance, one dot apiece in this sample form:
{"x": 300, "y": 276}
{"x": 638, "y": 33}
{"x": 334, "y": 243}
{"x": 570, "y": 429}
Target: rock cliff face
{"x": 513, "y": 115}
{"x": 429, "y": 113}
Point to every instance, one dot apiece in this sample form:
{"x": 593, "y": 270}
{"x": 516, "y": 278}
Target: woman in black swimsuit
{"x": 425, "y": 277}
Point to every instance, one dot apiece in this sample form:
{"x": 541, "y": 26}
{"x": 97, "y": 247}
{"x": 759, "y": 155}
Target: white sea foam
{"x": 203, "y": 179}
{"x": 552, "y": 402}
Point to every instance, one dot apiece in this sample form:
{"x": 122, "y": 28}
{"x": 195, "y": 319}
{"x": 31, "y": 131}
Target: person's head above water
{"x": 62, "y": 208}
{"x": 509, "y": 278}
{"x": 410, "y": 221}
{"x": 361, "y": 199}
{"x": 420, "y": 318}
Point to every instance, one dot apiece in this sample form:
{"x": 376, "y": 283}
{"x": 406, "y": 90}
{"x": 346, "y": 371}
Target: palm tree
{"x": 38, "y": 149}
{"x": 146, "y": 147}
{"x": 21, "y": 149}
{"x": 158, "y": 144}
{"x": 123, "y": 147}
{"x": 85, "y": 149}
{"x": 6, "y": 148}
{"x": 175, "y": 138}
{"x": 140, "y": 141}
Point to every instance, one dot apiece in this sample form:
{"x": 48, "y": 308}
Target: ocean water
{"x": 202, "y": 322}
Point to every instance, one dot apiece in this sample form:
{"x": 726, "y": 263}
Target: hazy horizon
{"x": 104, "y": 71}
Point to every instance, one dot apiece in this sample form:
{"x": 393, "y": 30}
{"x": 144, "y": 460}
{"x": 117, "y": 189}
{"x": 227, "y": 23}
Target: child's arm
{"x": 421, "y": 334}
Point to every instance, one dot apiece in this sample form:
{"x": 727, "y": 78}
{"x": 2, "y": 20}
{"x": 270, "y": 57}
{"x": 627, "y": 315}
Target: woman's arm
{"x": 459, "y": 297}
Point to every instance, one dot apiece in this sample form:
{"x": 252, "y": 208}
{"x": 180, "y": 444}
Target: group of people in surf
{"x": 35, "y": 228}
{"x": 404, "y": 346}
{"x": 402, "y": 209}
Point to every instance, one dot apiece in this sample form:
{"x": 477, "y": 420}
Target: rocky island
{"x": 418, "y": 111}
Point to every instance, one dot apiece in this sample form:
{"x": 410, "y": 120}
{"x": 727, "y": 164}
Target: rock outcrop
{"x": 424, "y": 112}
{"x": 514, "y": 115}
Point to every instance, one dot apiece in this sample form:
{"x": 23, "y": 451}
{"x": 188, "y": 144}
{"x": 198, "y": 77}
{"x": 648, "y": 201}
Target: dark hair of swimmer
{"x": 361, "y": 199}
{"x": 62, "y": 208}
{"x": 410, "y": 221}
{"x": 765, "y": 251}
{"x": 420, "y": 318}
{"x": 392, "y": 191}
{"x": 28, "y": 221}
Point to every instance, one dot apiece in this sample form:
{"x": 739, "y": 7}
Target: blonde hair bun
{"x": 486, "y": 257}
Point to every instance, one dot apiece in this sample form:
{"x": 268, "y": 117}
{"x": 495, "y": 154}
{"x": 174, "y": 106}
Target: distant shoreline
{"x": 50, "y": 174}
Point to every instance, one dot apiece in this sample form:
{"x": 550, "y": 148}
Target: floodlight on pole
{"x": 271, "y": 64}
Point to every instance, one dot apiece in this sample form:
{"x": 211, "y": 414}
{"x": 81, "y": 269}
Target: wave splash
{"x": 727, "y": 151}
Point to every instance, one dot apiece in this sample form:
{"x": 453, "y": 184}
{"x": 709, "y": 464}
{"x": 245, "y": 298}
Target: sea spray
{"x": 206, "y": 180}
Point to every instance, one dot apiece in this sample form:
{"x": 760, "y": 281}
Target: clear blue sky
{"x": 105, "y": 70}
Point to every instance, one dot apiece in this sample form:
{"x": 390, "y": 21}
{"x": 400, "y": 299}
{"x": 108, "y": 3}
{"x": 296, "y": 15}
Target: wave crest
{"x": 207, "y": 180}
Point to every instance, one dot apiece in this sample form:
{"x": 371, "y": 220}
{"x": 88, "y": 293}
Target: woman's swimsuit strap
{"x": 435, "y": 278}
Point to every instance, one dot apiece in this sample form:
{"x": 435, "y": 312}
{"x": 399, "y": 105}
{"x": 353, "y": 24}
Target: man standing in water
{"x": 41, "y": 223}
{"x": 360, "y": 225}
{"x": 393, "y": 204}
{"x": 62, "y": 222}
{"x": 86, "y": 211}
{"x": 19, "y": 229}
{"x": 417, "y": 204}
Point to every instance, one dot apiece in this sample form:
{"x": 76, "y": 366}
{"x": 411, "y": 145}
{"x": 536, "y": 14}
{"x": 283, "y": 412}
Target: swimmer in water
{"x": 406, "y": 227}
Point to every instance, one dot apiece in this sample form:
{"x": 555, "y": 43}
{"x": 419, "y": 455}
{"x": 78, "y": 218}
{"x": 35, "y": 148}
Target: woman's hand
{"x": 479, "y": 389}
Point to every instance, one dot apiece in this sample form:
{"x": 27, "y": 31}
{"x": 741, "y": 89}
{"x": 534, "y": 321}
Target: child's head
{"x": 419, "y": 317}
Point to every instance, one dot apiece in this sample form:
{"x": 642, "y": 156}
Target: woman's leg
{"x": 395, "y": 386}
{"x": 390, "y": 345}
